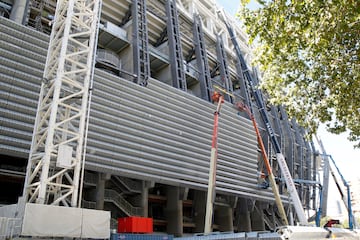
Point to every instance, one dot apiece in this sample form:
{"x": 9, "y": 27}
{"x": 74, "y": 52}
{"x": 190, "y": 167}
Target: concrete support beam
{"x": 100, "y": 190}
{"x": 257, "y": 218}
{"x": 224, "y": 218}
{"x": 199, "y": 213}
{"x": 18, "y": 11}
{"x": 174, "y": 211}
{"x": 144, "y": 204}
{"x": 242, "y": 216}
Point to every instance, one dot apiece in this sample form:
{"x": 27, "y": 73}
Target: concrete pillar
{"x": 199, "y": 204}
{"x": 145, "y": 198}
{"x": 100, "y": 189}
{"x": 18, "y": 11}
{"x": 257, "y": 218}
{"x": 224, "y": 218}
{"x": 174, "y": 211}
{"x": 242, "y": 219}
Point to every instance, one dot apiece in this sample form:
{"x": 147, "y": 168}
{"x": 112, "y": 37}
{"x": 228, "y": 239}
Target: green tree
{"x": 308, "y": 52}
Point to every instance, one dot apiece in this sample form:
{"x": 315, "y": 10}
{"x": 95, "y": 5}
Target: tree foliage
{"x": 308, "y": 52}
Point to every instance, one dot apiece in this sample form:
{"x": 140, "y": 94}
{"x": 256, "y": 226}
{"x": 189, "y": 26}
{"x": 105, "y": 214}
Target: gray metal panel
{"x": 156, "y": 133}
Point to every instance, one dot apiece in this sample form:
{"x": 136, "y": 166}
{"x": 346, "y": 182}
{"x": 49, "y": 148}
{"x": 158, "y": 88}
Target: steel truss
{"x": 202, "y": 60}
{"x": 140, "y": 43}
{"x": 175, "y": 49}
{"x": 224, "y": 71}
{"x": 57, "y": 149}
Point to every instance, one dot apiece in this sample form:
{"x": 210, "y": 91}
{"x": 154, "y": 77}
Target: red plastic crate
{"x": 135, "y": 225}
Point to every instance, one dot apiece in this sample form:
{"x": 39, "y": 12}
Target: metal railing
{"x": 131, "y": 185}
{"x": 122, "y": 203}
{"x": 88, "y": 204}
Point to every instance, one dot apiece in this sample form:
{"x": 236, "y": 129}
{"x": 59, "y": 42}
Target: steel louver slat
{"x": 172, "y": 113}
{"x": 17, "y": 151}
{"x": 17, "y": 93}
{"x": 250, "y": 193}
{"x": 145, "y": 146}
{"x": 15, "y": 56}
{"x": 28, "y": 45}
{"x": 15, "y": 81}
{"x": 113, "y": 130}
{"x": 134, "y": 173}
{"x": 228, "y": 155}
{"x": 143, "y": 165}
{"x": 229, "y": 142}
{"x": 155, "y": 141}
{"x": 14, "y": 142}
{"x": 10, "y": 73}
{"x": 16, "y": 102}
{"x": 21, "y": 67}
{"x": 15, "y": 133}
{"x": 17, "y": 111}
{"x": 20, "y": 32}
{"x": 19, "y": 125}
{"x": 246, "y": 171}
{"x": 25, "y": 53}
{"x": 246, "y": 183}
{"x": 163, "y": 92}
{"x": 137, "y": 113}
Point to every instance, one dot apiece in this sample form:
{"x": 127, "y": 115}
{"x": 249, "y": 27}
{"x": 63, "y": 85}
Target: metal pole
{"x": 212, "y": 171}
{"x": 267, "y": 165}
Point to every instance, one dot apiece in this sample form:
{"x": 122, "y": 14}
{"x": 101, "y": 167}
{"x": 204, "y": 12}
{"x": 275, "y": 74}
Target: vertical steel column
{"x": 300, "y": 155}
{"x": 201, "y": 58}
{"x": 244, "y": 92}
{"x": 175, "y": 49}
{"x": 290, "y": 141}
{"x": 141, "y": 59}
{"x": 308, "y": 160}
{"x": 345, "y": 197}
{"x": 57, "y": 148}
{"x": 277, "y": 125}
{"x": 314, "y": 172}
{"x": 223, "y": 66}
{"x": 300, "y": 148}
{"x": 278, "y": 130}
{"x": 326, "y": 175}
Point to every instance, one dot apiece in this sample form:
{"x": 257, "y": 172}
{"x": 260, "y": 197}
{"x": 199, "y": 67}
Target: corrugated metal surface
{"x": 22, "y": 54}
{"x": 155, "y": 133}
{"x": 166, "y": 134}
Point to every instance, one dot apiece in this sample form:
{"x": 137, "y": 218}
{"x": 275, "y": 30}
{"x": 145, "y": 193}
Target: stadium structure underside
{"x": 151, "y": 116}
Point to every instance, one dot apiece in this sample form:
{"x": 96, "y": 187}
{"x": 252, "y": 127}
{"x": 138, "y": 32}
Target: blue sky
{"x": 346, "y": 157}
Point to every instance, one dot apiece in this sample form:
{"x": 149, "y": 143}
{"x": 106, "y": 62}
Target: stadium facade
{"x": 151, "y": 117}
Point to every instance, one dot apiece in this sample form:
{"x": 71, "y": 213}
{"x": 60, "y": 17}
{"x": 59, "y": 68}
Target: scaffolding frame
{"x": 57, "y": 149}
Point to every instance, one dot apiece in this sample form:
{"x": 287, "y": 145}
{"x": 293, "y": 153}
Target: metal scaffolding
{"x": 56, "y": 154}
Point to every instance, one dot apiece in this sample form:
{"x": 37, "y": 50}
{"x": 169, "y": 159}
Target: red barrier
{"x": 135, "y": 225}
